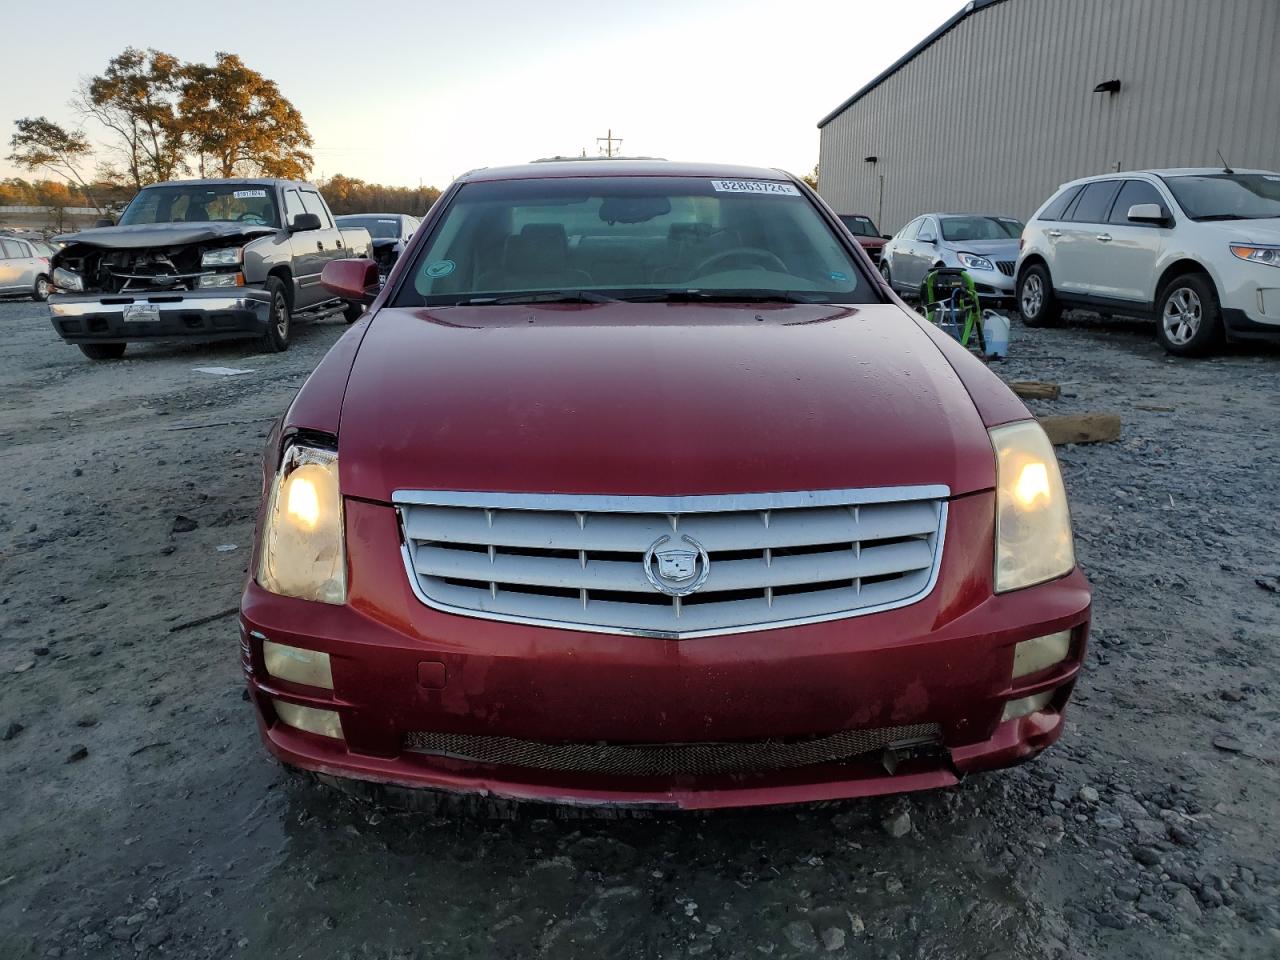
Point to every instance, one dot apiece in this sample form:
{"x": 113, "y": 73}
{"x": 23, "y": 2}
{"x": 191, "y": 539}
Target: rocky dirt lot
{"x": 139, "y": 816}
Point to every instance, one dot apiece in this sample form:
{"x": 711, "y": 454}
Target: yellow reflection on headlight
{"x": 1032, "y": 484}
{"x": 302, "y": 500}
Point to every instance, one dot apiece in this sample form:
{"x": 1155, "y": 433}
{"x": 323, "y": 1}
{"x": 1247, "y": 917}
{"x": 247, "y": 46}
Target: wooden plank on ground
{"x": 1081, "y": 428}
{"x": 1035, "y": 390}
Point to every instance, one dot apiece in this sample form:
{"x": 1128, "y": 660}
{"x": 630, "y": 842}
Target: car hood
{"x": 657, "y": 399}
{"x": 140, "y": 235}
{"x": 1245, "y": 231}
{"x": 1000, "y": 249}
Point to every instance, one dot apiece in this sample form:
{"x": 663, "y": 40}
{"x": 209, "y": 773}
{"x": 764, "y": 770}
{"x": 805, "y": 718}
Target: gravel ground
{"x": 139, "y": 817}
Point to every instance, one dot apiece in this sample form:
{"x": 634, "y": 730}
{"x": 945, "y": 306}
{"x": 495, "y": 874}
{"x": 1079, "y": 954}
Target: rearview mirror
{"x": 1148, "y": 213}
{"x": 354, "y": 280}
{"x": 305, "y": 221}
{"x": 104, "y": 222}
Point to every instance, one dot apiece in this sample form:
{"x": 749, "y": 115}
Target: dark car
{"x": 637, "y": 486}
{"x": 391, "y": 233}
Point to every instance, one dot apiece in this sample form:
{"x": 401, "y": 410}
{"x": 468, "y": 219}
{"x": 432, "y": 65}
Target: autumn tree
{"x": 40, "y": 144}
{"x": 136, "y": 98}
{"x": 236, "y": 122}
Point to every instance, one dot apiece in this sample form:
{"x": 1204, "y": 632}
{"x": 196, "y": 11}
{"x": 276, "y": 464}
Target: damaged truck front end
{"x": 114, "y": 287}
{"x": 204, "y": 260}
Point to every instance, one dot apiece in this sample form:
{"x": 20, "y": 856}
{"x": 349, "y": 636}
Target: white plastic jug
{"x": 995, "y": 330}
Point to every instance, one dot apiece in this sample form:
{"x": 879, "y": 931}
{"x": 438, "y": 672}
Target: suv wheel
{"x": 884, "y": 272}
{"x": 40, "y": 292}
{"x": 1188, "y": 317}
{"x": 279, "y": 319}
{"x": 102, "y": 351}
{"x": 352, "y": 312}
{"x": 1036, "y": 302}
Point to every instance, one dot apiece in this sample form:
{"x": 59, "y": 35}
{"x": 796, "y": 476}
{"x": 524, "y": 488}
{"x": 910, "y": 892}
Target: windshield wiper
{"x": 548, "y": 296}
{"x": 1226, "y": 216}
{"x": 721, "y": 296}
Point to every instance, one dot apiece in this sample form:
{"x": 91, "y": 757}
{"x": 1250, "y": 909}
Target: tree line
{"x": 162, "y": 119}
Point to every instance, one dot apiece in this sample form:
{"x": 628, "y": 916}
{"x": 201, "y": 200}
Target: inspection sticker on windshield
{"x": 754, "y": 186}
{"x": 249, "y": 194}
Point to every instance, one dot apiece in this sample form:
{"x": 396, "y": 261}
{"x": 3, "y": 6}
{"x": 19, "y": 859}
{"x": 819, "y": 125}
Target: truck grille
{"x": 1006, "y": 267}
{"x": 672, "y": 759}
{"x": 672, "y": 567}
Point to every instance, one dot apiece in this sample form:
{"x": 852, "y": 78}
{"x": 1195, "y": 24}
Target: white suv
{"x": 1198, "y": 249}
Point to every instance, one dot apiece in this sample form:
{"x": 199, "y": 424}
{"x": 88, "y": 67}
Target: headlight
{"x": 1033, "y": 529}
{"x": 1257, "y": 253}
{"x": 225, "y": 257}
{"x": 221, "y": 280}
{"x": 975, "y": 263}
{"x": 65, "y": 279}
{"x": 303, "y": 553}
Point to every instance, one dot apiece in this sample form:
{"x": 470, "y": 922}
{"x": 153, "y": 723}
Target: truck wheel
{"x": 40, "y": 292}
{"x": 1036, "y": 302}
{"x": 1188, "y": 316}
{"x": 353, "y": 312}
{"x": 102, "y": 351}
{"x": 279, "y": 319}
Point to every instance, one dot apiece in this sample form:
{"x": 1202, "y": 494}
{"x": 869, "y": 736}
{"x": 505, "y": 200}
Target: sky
{"x": 402, "y": 92}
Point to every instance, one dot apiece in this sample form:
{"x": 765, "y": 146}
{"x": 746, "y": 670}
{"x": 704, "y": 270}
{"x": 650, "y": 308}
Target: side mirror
{"x": 305, "y": 221}
{"x": 928, "y": 239}
{"x": 104, "y": 222}
{"x": 1148, "y": 213}
{"x": 354, "y": 280}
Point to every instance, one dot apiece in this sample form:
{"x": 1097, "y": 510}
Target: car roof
{"x": 343, "y": 216}
{"x": 1162, "y": 172}
{"x": 255, "y": 181}
{"x": 992, "y": 216}
{"x": 623, "y": 168}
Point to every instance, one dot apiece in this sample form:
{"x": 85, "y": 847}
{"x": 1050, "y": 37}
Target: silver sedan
{"x": 24, "y": 267}
{"x": 984, "y": 246}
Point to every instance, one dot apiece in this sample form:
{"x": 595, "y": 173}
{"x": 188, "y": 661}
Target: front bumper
{"x": 992, "y": 284}
{"x": 400, "y": 668}
{"x": 184, "y": 314}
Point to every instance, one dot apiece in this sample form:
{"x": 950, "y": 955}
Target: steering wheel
{"x": 762, "y": 257}
{"x": 251, "y": 217}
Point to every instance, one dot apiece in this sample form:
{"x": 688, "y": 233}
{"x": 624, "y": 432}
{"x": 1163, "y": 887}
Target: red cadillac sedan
{"x": 635, "y": 485}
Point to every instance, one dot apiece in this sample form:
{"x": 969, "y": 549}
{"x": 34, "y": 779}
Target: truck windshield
{"x": 202, "y": 203}
{"x": 380, "y": 228}
{"x": 1227, "y": 196}
{"x": 641, "y": 238}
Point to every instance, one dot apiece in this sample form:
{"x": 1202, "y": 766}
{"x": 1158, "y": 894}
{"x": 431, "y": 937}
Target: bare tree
{"x": 40, "y": 144}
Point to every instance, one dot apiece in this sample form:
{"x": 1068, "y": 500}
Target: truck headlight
{"x": 975, "y": 263}
{"x": 65, "y": 279}
{"x": 1033, "y": 528}
{"x": 207, "y": 280}
{"x": 224, "y": 257}
{"x": 303, "y": 553}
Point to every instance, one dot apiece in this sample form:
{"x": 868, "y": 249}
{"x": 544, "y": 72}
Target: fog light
{"x": 327, "y": 723}
{"x": 1032, "y": 656}
{"x": 297, "y": 665}
{"x": 1021, "y": 708}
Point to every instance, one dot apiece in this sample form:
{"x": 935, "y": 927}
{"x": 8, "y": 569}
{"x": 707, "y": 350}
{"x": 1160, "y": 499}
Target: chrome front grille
{"x": 1006, "y": 267}
{"x": 672, "y": 567}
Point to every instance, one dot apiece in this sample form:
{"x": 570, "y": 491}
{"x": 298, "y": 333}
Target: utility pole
{"x": 608, "y": 142}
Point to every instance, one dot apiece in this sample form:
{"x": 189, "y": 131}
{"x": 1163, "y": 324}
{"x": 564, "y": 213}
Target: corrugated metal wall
{"x": 1000, "y": 110}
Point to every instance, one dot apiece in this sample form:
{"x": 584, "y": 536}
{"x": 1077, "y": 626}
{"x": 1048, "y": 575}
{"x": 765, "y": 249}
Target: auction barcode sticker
{"x": 248, "y": 194}
{"x": 755, "y": 186}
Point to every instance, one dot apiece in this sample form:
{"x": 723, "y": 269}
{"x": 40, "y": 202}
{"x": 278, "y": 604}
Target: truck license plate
{"x": 141, "y": 313}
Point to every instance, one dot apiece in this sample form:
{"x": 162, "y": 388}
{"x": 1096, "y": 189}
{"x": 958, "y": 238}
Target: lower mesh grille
{"x": 670, "y": 759}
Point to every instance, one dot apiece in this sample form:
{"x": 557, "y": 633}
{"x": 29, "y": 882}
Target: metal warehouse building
{"x": 1010, "y": 98}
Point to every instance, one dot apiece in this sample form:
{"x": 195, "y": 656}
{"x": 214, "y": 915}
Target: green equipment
{"x": 951, "y": 301}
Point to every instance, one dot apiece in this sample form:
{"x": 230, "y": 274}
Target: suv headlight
{"x": 1033, "y": 528}
{"x": 975, "y": 263}
{"x": 225, "y": 257}
{"x": 1257, "y": 253}
{"x": 303, "y": 553}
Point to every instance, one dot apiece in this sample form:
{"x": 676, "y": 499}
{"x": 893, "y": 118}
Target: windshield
{"x": 201, "y": 203}
{"x": 1227, "y": 196}
{"x": 647, "y": 238}
{"x": 981, "y": 228}
{"x": 380, "y": 228}
{"x": 860, "y": 226}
